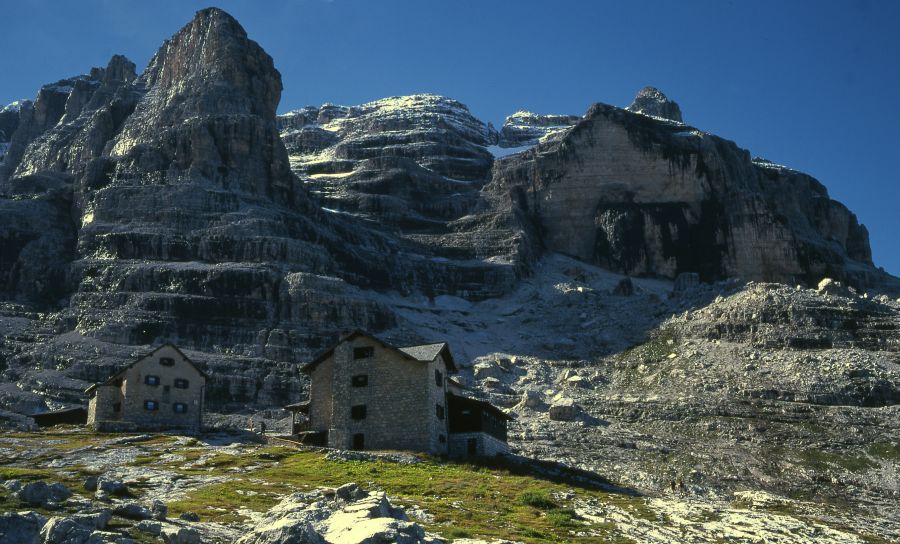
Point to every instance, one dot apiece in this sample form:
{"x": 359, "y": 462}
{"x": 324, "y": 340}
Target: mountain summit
{"x": 651, "y": 101}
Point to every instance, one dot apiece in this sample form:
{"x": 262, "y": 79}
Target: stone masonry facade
{"x": 371, "y": 396}
{"x": 365, "y": 394}
{"x": 162, "y": 390}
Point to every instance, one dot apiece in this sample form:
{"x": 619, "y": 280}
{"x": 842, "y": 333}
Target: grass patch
{"x": 467, "y": 501}
{"x": 463, "y": 500}
{"x": 888, "y": 451}
{"x": 537, "y": 500}
{"x": 821, "y": 461}
{"x": 562, "y": 517}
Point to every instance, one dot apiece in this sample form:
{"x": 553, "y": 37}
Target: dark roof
{"x": 483, "y": 404}
{"x": 427, "y": 352}
{"x": 302, "y": 407}
{"x": 111, "y": 379}
{"x": 424, "y": 353}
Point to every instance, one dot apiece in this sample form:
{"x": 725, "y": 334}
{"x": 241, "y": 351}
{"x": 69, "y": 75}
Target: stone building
{"x": 159, "y": 391}
{"x": 366, "y": 394}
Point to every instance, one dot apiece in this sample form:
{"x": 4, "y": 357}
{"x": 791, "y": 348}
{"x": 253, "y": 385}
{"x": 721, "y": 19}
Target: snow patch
{"x": 14, "y": 106}
{"x": 499, "y": 152}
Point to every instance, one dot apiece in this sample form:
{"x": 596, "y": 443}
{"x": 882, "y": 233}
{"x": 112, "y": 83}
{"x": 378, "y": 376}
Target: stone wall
{"x": 137, "y": 392}
{"x": 320, "y": 396}
{"x": 101, "y": 406}
{"x": 487, "y": 445}
{"x": 400, "y": 399}
{"x": 437, "y": 396}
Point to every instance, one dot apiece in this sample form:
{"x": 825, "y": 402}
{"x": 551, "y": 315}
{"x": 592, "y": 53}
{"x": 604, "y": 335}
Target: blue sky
{"x": 811, "y": 84}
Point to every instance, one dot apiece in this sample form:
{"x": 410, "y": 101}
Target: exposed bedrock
{"x": 175, "y": 205}
{"x": 651, "y": 101}
{"x": 649, "y": 197}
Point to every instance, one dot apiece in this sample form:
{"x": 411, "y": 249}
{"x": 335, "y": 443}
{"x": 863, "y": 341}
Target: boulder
{"x": 349, "y": 492}
{"x": 159, "y": 510}
{"x": 310, "y": 518}
{"x": 180, "y": 535}
{"x": 133, "y": 510}
{"x": 531, "y": 399}
{"x": 108, "y": 537}
{"x": 110, "y": 486}
{"x": 292, "y": 520}
{"x": 149, "y": 527}
{"x": 352, "y": 530}
{"x": 372, "y": 520}
{"x": 189, "y": 516}
{"x": 78, "y": 529}
{"x": 829, "y": 286}
{"x": 488, "y": 369}
{"x": 21, "y": 528}
{"x": 563, "y": 409}
{"x": 62, "y": 530}
{"x": 43, "y": 494}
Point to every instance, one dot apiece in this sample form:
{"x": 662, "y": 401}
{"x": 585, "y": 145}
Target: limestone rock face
{"x": 412, "y": 168}
{"x": 176, "y": 206}
{"x": 647, "y": 197}
{"x": 651, "y": 101}
{"x": 525, "y": 128}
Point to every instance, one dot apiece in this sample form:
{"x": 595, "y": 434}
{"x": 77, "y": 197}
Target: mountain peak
{"x": 213, "y": 53}
{"x": 651, "y": 101}
{"x": 217, "y": 18}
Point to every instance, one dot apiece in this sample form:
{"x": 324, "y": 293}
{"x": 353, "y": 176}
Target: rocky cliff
{"x": 175, "y": 205}
{"x": 649, "y": 196}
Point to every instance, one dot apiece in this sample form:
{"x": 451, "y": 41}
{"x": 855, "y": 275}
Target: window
{"x": 358, "y": 411}
{"x": 151, "y": 405}
{"x": 360, "y": 380}
{"x": 439, "y": 411}
{"x": 438, "y": 378}
{"x": 359, "y": 441}
{"x": 363, "y": 353}
{"x": 442, "y": 439}
{"x": 166, "y": 361}
{"x": 472, "y": 446}
{"x": 117, "y": 407}
{"x": 179, "y": 408}
{"x": 181, "y": 383}
{"x": 151, "y": 380}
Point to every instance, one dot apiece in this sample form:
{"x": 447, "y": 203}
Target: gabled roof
{"x": 427, "y": 352}
{"x": 117, "y": 375}
{"x": 424, "y": 353}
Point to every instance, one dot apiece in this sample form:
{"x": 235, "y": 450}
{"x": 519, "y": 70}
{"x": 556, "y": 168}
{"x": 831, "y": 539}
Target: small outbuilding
{"x": 66, "y": 416}
{"x": 162, "y": 390}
